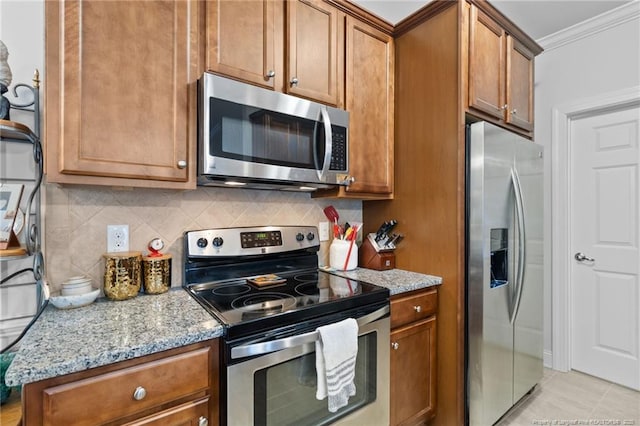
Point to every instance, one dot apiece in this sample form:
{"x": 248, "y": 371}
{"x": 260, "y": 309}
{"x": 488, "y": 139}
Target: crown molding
{"x": 625, "y": 13}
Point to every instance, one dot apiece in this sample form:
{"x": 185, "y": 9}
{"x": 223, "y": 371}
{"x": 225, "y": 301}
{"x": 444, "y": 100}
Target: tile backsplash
{"x": 76, "y": 220}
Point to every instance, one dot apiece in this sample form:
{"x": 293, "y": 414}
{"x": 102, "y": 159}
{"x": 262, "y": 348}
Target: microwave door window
{"x": 255, "y": 135}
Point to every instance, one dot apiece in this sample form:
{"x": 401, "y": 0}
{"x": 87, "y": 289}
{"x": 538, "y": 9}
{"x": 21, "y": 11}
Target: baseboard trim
{"x": 547, "y": 359}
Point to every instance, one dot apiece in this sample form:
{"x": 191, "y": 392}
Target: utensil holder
{"x": 371, "y": 257}
{"x": 122, "y": 275}
{"x": 156, "y": 273}
{"x": 343, "y": 255}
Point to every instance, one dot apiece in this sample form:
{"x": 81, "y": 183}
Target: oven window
{"x": 246, "y": 133}
{"x": 285, "y": 394}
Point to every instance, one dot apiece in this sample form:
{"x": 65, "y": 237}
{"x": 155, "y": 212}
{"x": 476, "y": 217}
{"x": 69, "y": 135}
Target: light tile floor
{"x": 575, "y": 398}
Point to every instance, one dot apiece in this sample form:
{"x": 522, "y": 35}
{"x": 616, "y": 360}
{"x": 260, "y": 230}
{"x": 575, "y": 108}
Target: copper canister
{"x": 122, "y": 276}
{"x": 156, "y": 272}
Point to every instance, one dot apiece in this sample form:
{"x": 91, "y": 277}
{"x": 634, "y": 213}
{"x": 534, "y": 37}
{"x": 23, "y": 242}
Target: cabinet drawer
{"x": 192, "y": 413}
{"x": 110, "y": 396}
{"x": 413, "y": 307}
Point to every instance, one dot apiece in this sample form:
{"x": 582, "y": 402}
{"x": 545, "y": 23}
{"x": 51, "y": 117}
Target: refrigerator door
{"x": 528, "y": 324}
{"x": 491, "y": 284}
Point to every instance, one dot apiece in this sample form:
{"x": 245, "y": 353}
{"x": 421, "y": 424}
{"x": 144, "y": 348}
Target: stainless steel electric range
{"x": 263, "y": 284}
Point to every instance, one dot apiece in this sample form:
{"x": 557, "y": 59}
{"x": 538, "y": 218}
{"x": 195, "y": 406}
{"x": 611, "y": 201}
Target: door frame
{"x": 561, "y": 120}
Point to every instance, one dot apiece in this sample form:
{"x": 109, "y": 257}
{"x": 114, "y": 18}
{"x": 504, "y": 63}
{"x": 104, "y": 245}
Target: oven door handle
{"x": 301, "y": 339}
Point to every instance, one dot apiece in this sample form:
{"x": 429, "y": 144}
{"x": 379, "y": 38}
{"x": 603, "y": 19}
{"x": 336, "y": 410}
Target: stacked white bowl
{"x": 75, "y": 286}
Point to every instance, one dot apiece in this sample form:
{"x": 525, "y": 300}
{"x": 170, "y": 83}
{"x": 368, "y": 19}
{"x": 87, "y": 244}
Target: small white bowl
{"x": 76, "y": 285}
{"x": 76, "y": 301}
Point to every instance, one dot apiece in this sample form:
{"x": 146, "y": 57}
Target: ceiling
{"x": 537, "y": 18}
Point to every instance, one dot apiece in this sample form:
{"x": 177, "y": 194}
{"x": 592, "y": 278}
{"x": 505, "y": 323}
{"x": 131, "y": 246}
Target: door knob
{"x": 581, "y": 257}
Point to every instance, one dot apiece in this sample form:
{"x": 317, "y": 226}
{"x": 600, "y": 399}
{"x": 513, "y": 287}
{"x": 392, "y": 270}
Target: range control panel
{"x": 260, "y": 239}
{"x": 250, "y": 241}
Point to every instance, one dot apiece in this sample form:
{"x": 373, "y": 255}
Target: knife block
{"x": 372, "y": 257}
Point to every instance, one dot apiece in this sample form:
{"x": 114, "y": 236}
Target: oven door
{"x": 279, "y": 388}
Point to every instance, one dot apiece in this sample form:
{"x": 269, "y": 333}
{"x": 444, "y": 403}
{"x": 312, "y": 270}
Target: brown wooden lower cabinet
{"x": 413, "y": 357}
{"x": 176, "y": 387}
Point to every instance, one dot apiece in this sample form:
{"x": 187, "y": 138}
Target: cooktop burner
{"x": 252, "y": 289}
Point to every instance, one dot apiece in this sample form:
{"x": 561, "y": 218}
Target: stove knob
{"x": 299, "y": 237}
{"x": 202, "y": 242}
{"x": 310, "y": 236}
{"x": 217, "y": 242}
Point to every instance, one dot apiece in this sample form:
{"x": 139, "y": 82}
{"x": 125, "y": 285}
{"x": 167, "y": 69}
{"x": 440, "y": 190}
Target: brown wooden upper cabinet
{"x": 302, "y": 55}
{"x": 500, "y": 75}
{"x": 369, "y": 87}
{"x": 120, "y": 93}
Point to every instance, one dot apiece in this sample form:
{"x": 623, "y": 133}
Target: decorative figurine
{"x": 5, "y": 81}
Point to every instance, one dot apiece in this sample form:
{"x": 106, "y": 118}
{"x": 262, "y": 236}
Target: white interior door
{"x": 604, "y": 235}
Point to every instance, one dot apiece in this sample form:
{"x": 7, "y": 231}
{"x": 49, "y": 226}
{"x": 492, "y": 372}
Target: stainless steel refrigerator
{"x": 504, "y": 271}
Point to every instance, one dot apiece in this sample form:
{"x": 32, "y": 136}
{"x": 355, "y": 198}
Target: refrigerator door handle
{"x": 522, "y": 254}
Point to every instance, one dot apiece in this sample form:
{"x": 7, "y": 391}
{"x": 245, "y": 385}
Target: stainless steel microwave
{"x": 258, "y": 138}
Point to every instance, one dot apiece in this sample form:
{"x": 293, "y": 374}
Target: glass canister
{"x": 156, "y": 272}
{"x": 343, "y": 254}
{"x": 122, "y": 275}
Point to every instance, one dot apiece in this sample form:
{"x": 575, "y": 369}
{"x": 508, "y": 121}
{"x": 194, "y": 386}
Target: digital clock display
{"x": 260, "y": 239}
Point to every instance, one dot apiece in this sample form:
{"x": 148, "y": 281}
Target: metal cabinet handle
{"x": 271, "y": 73}
{"x": 503, "y": 107}
{"x": 139, "y": 393}
{"x": 294, "y": 81}
{"x": 418, "y": 308}
{"x": 581, "y": 257}
{"x": 514, "y": 111}
{"x": 182, "y": 164}
{"x": 395, "y": 345}
{"x": 202, "y": 421}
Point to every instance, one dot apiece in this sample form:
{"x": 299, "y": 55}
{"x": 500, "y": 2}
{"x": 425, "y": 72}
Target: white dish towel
{"x": 336, "y": 352}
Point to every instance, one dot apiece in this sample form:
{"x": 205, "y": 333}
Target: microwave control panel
{"x": 339, "y": 149}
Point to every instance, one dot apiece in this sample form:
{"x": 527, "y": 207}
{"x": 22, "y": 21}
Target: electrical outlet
{"x": 323, "y": 230}
{"x": 117, "y": 238}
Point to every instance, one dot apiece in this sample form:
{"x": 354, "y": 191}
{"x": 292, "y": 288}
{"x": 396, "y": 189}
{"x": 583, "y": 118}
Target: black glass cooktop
{"x": 293, "y": 296}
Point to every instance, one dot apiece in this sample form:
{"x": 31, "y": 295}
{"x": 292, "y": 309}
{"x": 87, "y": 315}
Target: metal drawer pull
{"x": 395, "y": 345}
{"x": 182, "y": 164}
{"x": 294, "y": 81}
{"x": 202, "y": 421}
{"x": 271, "y": 73}
{"x": 139, "y": 393}
{"x": 418, "y": 308}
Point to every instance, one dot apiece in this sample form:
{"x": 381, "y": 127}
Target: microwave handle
{"x": 328, "y": 143}
{"x": 301, "y": 339}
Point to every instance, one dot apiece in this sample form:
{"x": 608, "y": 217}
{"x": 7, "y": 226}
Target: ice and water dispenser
{"x": 499, "y": 257}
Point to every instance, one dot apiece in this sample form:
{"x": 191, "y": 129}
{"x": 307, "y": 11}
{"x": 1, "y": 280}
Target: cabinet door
{"x": 120, "y": 97}
{"x": 486, "y": 64}
{"x": 519, "y": 85}
{"x": 315, "y": 51}
{"x": 195, "y": 413}
{"x": 245, "y": 40}
{"x": 413, "y": 372}
{"x": 369, "y": 100}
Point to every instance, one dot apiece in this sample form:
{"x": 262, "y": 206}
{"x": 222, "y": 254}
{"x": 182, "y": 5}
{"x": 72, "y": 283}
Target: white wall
{"x": 591, "y": 59}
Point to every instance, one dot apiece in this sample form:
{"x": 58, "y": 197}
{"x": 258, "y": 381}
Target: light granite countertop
{"x": 66, "y": 341}
{"x": 396, "y": 280}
